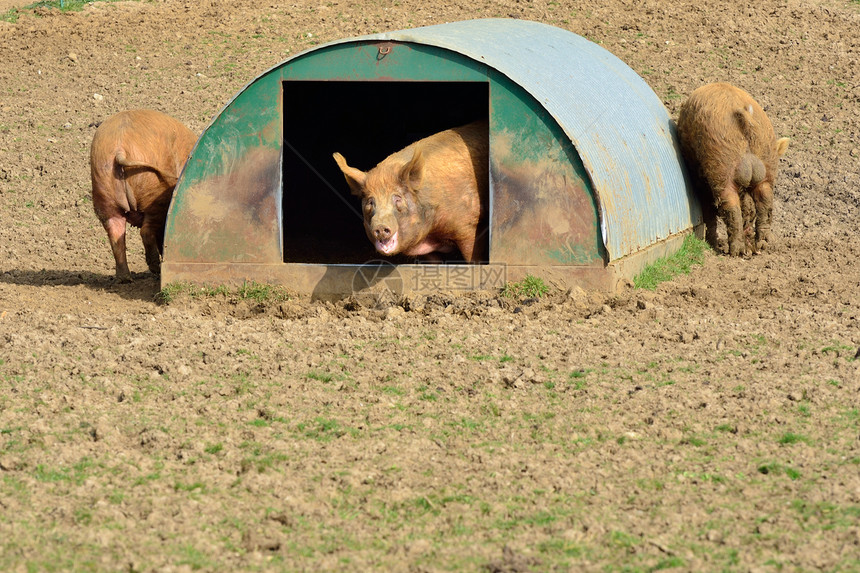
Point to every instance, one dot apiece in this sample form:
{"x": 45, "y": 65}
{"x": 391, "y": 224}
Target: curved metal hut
{"x": 586, "y": 183}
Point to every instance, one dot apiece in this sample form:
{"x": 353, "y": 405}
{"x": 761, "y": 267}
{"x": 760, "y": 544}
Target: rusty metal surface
{"x": 227, "y": 204}
{"x": 544, "y": 210}
{"x": 230, "y": 216}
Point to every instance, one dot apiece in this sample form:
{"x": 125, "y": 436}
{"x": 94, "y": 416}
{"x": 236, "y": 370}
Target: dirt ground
{"x": 712, "y": 424}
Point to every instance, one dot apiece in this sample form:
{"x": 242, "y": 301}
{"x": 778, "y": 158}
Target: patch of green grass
{"x": 672, "y": 94}
{"x": 320, "y": 376}
{"x": 623, "y": 539}
{"x": 213, "y": 448}
{"x": 840, "y": 349}
{"x": 650, "y": 484}
{"x": 259, "y": 459}
{"x": 83, "y": 516}
{"x": 828, "y": 514}
{"x": 194, "y": 558}
{"x": 703, "y": 477}
{"x": 774, "y": 468}
{"x": 672, "y": 562}
{"x": 62, "y": 5}
{"x": 172, "y": 291}
{"x": 155, "y": 476}
{"x": 694, "y": 441}
{"x": 491, "y": 410}
{"x": 189, "y": 487}
{"x": 428, "y": 396}
{"x": 321, "y": 429}
{"x": 251, "y": 291}
{"x": 691, "y": 253}
{"x": 260, "y": 292}
{"x": 851, "y": 417}
{"x": 577, "y": 379}
{"x": 75, "y": 474}
{"x": 529, "y": 287}
{"x": 789, "y": 438}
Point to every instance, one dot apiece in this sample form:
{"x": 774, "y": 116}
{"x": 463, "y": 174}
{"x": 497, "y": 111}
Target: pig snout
{"x": 384, "y": 236}
{"x": 382, "y": 233}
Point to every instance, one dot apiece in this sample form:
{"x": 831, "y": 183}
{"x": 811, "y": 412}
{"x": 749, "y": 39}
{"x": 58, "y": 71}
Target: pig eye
{"x": 398, "y": 202}
{"x": 369, "y": 205}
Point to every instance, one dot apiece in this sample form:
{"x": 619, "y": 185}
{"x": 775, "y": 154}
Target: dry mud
{"x": 712, "y": 424}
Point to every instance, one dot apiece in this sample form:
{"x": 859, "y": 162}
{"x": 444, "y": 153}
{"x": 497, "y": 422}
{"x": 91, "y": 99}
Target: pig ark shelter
{"x": 587, "y": 184}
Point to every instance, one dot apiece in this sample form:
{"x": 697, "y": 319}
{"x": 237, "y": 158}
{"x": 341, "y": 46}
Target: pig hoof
{"x": 763, "y": 240}
{"x": 737, "y": 249}
{"x": 124, "y": 279}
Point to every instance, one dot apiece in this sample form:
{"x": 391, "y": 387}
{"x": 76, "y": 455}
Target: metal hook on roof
{"x": 384, "y": 50}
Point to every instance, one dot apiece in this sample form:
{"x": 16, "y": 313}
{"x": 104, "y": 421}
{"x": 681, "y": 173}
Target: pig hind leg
{"x": 729, "y": 207}
{"x": 763, "y": 197}
{"x": 152, "y": 235}
{"x": 709, "y": 215}
{"x": 748, "y": 211}
{"x": 115, "y": 227}
{"x": 709, "y": 209}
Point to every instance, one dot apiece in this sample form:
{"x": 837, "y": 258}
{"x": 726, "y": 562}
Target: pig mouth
{"x": 389, "y": 246}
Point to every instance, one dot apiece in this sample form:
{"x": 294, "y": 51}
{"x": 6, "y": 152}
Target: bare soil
{"x": 712, "y": 424}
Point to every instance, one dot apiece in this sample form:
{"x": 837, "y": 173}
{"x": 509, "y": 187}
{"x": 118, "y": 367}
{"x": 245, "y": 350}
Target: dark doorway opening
{"x": 365, "y": 121}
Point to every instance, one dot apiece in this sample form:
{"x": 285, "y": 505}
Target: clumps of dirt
{"x": 512, "y": 562}
{"x": 386, "y": 305}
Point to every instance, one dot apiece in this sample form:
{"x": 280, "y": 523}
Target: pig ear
{"x": 354, "y": 177}
{"x": 781, "y": 146}
{"x": 413, "y": 171}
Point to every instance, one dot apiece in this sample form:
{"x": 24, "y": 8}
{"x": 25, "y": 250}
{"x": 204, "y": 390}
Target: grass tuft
{"x": 251, "y": 291}
{"x": 691, "y": 253}
{"x": 529, "y": 287}
{"x": 12, "y": 14}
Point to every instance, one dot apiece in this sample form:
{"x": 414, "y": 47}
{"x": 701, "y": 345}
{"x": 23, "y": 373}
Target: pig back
{"x": 143, "y": 136}
{"x": 456, "y": 160}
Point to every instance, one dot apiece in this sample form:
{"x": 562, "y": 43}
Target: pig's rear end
{"x": 135, "y": 160}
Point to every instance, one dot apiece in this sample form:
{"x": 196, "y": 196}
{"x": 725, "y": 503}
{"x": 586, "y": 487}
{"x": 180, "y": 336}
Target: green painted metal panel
{"x": 384, "y": 61}
{"x": 543, "y": 210}
{"x": 226, "y": 206}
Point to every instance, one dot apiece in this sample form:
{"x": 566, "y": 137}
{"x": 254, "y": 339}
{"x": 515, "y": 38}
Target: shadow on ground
{"x": 143, "y": 287}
